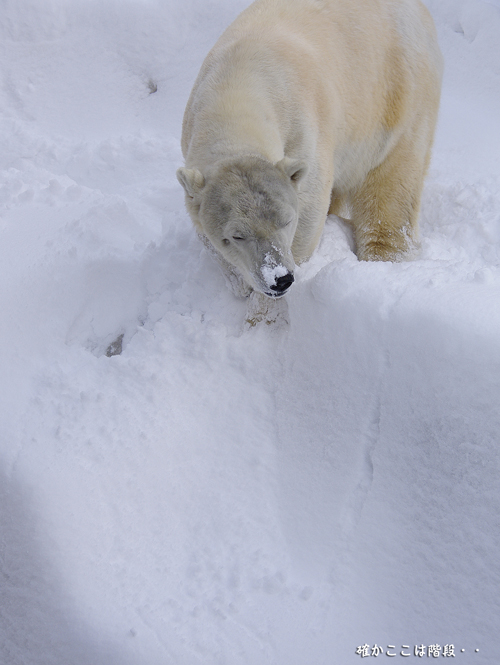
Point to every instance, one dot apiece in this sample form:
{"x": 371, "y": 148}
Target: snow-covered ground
{"x": 218, "y": 493}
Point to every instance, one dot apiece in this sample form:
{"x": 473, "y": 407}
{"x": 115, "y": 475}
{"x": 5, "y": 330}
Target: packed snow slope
{"x": 219, "y": 493}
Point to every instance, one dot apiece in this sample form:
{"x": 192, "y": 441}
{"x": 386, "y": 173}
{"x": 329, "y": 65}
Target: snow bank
{"x": 219, "y": 493}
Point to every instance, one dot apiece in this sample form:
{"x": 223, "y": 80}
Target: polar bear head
{"x": 248, "y": 209}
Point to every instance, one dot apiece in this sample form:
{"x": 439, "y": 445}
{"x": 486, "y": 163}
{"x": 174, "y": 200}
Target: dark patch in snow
{"x": 116, "y": 347}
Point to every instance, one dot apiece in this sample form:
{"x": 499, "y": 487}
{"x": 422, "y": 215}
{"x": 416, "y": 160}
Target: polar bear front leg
{"x": 262, "y": 309}
{"x": 385, "y": 208}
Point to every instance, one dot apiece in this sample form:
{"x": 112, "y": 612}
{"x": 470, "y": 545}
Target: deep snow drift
{"x": 221, "y": 493}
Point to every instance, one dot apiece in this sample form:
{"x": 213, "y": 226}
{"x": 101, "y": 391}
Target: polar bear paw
{"x": 262, "y": 309}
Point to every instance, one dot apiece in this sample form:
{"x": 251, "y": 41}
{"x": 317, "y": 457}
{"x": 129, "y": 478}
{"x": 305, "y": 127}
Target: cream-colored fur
{"x": 331, "y": 102}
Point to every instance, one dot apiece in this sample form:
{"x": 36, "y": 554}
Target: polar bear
{"x": 305, "y": 108}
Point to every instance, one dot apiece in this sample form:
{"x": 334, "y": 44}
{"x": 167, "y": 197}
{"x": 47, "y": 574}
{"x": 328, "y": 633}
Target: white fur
{"x": 305, "y": 107}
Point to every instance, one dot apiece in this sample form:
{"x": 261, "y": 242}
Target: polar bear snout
{"x": 282, "y": 285}
{"x": 275, "y": 273}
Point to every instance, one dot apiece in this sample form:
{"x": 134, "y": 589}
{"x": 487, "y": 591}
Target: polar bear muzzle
{"x": 282, "y": 285}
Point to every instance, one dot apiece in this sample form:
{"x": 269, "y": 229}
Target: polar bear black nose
{"x": 283, "y": 283}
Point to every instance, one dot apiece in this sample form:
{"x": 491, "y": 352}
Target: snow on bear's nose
{"x": 277, "y": 277}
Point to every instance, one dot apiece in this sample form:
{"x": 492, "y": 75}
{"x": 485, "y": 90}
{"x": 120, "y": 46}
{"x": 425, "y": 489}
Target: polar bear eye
{"x": 238, "y": 238}
{"x": 225, "y": 241}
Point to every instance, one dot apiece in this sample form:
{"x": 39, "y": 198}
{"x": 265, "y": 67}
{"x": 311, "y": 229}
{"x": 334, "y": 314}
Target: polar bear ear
{"x": 192, "y": 180}
{"x": 295, "y": 169}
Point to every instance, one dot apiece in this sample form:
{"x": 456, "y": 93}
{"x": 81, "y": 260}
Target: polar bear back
{"x": 280, "y": 45}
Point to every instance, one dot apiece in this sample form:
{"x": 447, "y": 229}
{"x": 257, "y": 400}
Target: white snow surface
{"x": 219, "y": 493}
